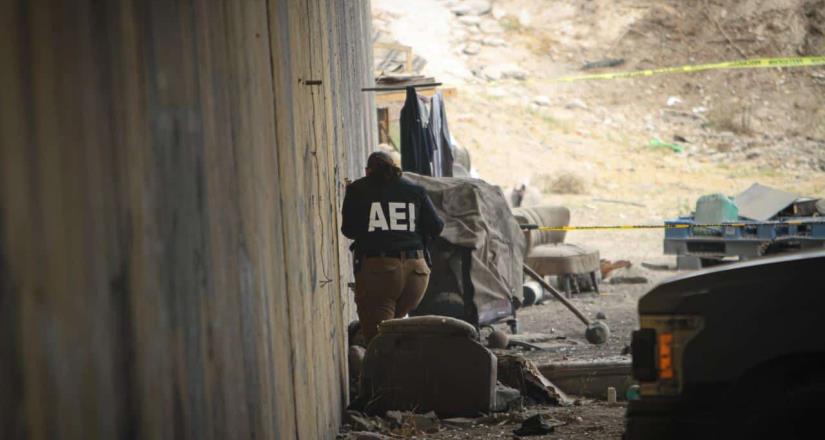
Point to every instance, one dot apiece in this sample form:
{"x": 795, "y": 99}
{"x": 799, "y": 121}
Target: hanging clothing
{"x": 443, "y": 147}
{"x": 416, "y": 139}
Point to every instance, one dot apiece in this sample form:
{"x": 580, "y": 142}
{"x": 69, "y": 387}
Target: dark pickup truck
{"x": 733, "y": 352}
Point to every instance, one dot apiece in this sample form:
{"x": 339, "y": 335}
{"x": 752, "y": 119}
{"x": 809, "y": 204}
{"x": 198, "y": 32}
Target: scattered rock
{"x": 576, "y": 104}
{"x": 472, "y": 48}
{"x": 396, "y": 417}
{"x": 511, "y": 71}
{"x": 673, "y": 100}
{"x": 493, "y": 42}
{"x": 502, "y": 71}
{"x": 428, "y": 422}
{"x": 361, "y": 422}
{"x": 469, "y": 20}
{"x": 498, "y": 12}
{"x": 607, "y": 62}
{"x": 601, "y": 315}
{"x": 460, "y": 9}
{"x": 490, "y": 27}
{"x": 541, "y": 101}
{"x": 491, "y": 73}
{"x": 507, "y": 398}
{"x": 498, "y": 339}
{"x": 472, "y": 7}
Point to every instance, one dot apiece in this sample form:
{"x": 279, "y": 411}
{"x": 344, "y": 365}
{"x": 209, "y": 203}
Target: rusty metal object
{"x": 596, "y": 333}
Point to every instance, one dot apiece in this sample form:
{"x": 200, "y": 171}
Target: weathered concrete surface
{"x": 169, "y": 258}
{"x": 590, "y": 378}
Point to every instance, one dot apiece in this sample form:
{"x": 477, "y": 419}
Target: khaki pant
{"x": 387, "y": 288}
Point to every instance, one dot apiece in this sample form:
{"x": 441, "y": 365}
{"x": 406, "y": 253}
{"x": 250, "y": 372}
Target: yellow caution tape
{"x": 665, "y": 226}
{"x": 758, "y": 63}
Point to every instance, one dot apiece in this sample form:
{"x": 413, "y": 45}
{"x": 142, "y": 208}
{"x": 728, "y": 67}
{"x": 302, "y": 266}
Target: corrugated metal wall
{"x": 170, "y": 263}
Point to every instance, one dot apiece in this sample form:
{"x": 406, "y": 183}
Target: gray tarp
{"x": 476, "y": 217}
{"x": 761, "y": 202}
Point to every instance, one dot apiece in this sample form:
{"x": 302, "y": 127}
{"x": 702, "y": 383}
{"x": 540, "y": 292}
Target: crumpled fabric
{"x": 443, "y": 148}
{"x": 417, "y": 141}
{"x": 477, "y": 218}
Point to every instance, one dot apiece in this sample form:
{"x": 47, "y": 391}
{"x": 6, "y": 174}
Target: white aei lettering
{"x": 377, "y": 218}
{"x": 397, "y": 213}
{"x": 401, "y": 217}
{"x": 411, "y": 209}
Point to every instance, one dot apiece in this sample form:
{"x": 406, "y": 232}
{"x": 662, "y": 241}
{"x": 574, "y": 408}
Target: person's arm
{"x": 431, "y": 224}
{"x": 349, "y": 215}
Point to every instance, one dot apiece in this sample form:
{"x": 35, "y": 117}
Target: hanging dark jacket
{"x": 416, "y": 140}
{"x": 443, "y": 154}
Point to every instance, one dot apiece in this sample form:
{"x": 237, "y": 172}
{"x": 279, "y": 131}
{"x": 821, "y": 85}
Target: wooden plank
{"x": 408, "y": 54}
{"x": 384, "y": 98}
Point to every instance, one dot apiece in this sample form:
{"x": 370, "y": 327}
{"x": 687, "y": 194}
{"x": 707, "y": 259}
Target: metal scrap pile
{"x": 759, "y": 221}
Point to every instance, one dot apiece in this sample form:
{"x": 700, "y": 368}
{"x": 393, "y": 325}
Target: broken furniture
{"x": 518, "y": 372}
{"x": 759, "y": 221}
{"x": 576, "y": 267}
{"x": 429, "y": 363}
{"x": 476, "y": 274}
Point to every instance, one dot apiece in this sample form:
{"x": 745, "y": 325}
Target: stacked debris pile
{"x": 759, "y": 221}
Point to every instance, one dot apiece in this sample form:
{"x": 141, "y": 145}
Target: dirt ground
{"x": 588, "y": 418}
{"x": 591, "y": 420}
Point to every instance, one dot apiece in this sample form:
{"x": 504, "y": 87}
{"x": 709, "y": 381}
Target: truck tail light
{"x": 665, "y": 359}
{"x": 658, "y": 350}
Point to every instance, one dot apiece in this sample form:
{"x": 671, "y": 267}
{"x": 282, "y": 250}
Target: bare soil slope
{"x": 735, "y": 127}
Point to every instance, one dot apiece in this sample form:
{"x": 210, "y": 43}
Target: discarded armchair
{"x": 576, "y": 266}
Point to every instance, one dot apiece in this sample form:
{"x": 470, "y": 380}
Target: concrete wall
{"x": 170, "y": 263}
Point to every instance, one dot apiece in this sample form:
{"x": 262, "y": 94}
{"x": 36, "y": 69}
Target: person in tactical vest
{"x": 390, "y": 219}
